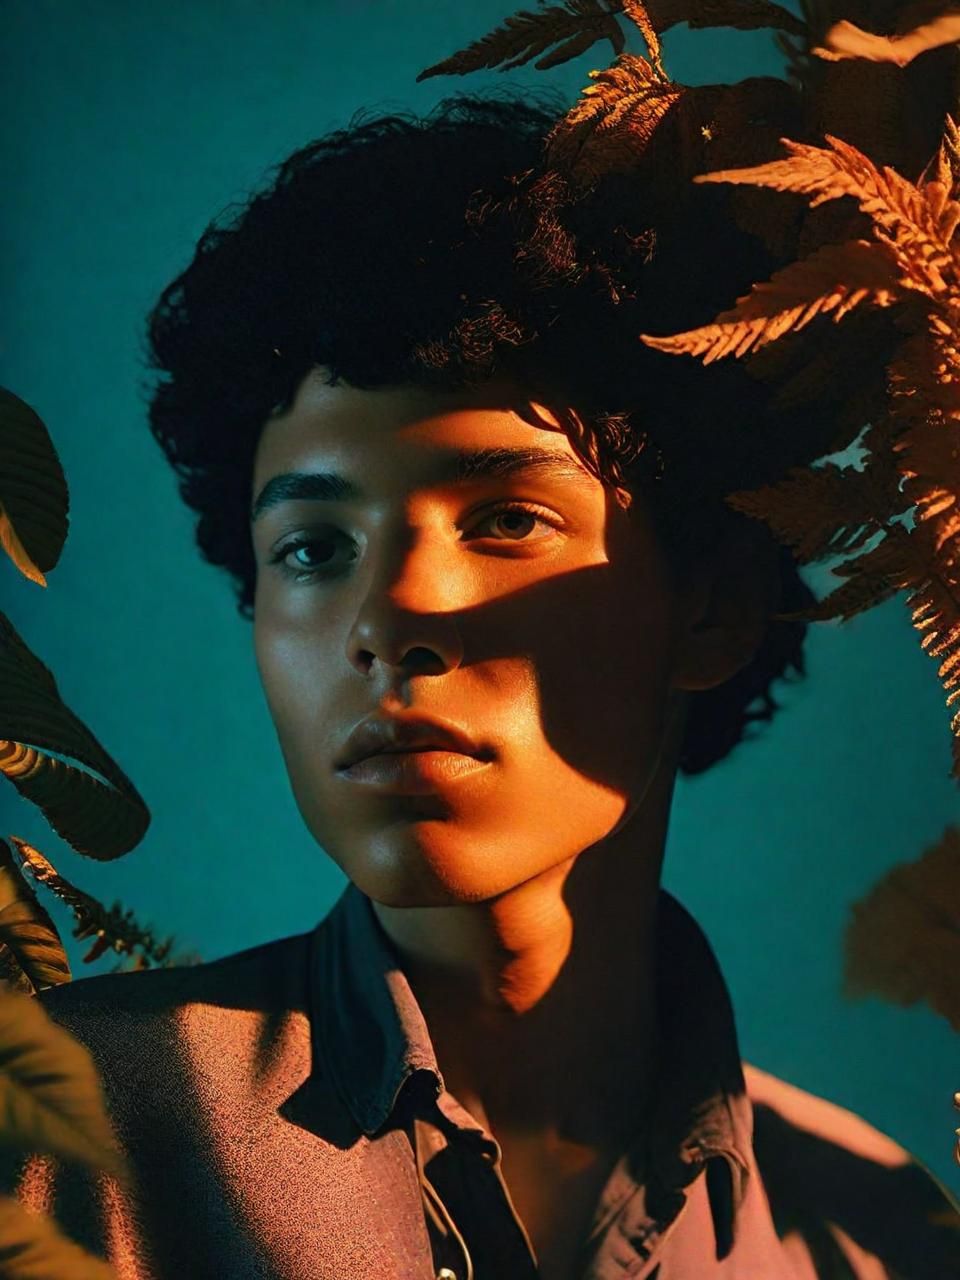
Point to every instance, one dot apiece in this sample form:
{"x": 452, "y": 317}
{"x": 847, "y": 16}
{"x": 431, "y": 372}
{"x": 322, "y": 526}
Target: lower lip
{"x": 413, "y": 773}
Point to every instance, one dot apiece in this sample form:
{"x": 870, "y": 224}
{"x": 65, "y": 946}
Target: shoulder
{"x": 181, "y": 1053}
{"x": 793, "y": 1108}
{"x": 106, "y": 1010}
{"x": 839, "y": 1183}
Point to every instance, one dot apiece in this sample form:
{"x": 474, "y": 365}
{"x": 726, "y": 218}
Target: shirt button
{"x": 446, "y": 1274}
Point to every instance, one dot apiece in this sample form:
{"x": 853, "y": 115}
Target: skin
{"x": 512, "y": 896}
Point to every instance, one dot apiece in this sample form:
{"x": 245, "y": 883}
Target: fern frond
{"x": 845, "y": 369}
{"x": 613, "y": 120}
{"x": 923, "y": 379}
{"x": 944, "y": 167}
{"x": 834, "y": 278}
{"x": 925, "y": 561}
{"x": 574, "y": 26}
{"x": 935, "y": 611}
{"x": 920, "y": 228}
{"x": 924, "y": 395}
{"x": 87, "y": 910}
{"x": 935, "y": 604}
{"x": 577, "y": 25}
{"x": 28, "y": 936}
{"x": 846, "y": 40}
{"x": 825, "y": 510}
{"x": 928, "y": 453}
{"x": 902, "y": 941}
{"x": 895, "y": 564}
{"x": 109, "y": 928}
{"x": 742, "y": 15}
{"x": 637, "y": 12}
{"x": 940, "y": 180}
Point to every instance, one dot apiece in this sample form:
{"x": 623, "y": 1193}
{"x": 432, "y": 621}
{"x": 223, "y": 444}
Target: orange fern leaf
{"x": 929, "y": 457}
{"x": 940, "y": 180}
{"x": 609, "y": 126}
{"x": 944, "y": 167}
{"x": 835, "y": 278}
{"x": 925, "y": 560}
{"x": 824, "y": 510}
{"x": 924, "y": 395}
{"x": 845, "y": 40}
{"x": 943, "y": 210}
{"x": 742, "y": 15}
{"x": 574, "y": 26}
{"x": 638, "y": 14}
{"x": 935, "y": 604}
{"x": 847, "y": 371}
{"x": 895, "y": 564}
{"x": 923, "y": 379}
{"x": 920, "y": 228}
{"x": 941, "y": 637}
{"x": 903, "y": 938}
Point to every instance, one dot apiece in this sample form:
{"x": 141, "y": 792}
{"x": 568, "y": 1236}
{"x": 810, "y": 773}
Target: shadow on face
{"x": 441, "y": 554}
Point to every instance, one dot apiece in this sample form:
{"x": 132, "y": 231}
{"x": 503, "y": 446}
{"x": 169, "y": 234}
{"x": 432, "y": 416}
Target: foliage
{"x": 50, "y": 1095}
{"x": 576, "y": 25}
{"x": 89, "y": 801}
{"x": 573, "y": 26}
{"x": 903, "y": 938}
{"x": 896, "y": 251}
{"x": 912, "y": 458}
{"x": 31, "y": 953}
{"x": 115, "y": 928}
{"x": 52, "y": 1103}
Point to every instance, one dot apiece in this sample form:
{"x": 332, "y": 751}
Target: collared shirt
{"x": 284, "y": 1117}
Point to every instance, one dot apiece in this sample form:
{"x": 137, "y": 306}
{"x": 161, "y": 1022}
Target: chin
{"x": 409, "y": 869}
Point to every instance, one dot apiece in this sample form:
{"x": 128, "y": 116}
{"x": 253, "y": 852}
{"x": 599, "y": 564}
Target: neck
{"x": 541, "y": 1003}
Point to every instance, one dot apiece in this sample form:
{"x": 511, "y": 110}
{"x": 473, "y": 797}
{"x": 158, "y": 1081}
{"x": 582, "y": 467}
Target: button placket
{"x": 433, "y": 1203}
{"x": 469, "y": 1142}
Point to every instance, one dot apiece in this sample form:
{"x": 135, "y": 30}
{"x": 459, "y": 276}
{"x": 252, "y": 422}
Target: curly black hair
{"x": 439, "y": 251}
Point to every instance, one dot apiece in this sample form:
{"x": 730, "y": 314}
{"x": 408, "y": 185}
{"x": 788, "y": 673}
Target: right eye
{"x": 324, "y": 565}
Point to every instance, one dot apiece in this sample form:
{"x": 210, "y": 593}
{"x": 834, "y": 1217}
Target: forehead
{"x": 410, "y": 435}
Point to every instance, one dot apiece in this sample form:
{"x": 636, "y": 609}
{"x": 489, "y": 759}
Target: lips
{"x": 413, "y": 773}
{"x": 387, "y": 735}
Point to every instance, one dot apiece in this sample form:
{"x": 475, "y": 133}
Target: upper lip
{"x": 381, "y": 733}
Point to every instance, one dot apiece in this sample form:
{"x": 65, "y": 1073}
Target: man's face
{"x": 545, "y": 634}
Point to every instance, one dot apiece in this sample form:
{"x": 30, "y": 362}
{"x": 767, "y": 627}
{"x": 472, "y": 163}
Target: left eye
{"x": 517, "y": 520}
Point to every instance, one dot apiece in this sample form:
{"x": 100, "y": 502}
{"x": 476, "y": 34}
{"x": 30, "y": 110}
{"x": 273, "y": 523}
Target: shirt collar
{"x": 370, "y": 1032}
{"x": 367, "y": 1025}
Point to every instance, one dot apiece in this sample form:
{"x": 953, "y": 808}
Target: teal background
{"x": 126, "y": 127}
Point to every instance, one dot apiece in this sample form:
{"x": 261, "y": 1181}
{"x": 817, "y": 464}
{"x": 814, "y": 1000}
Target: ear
{"x": 726, "y": 604}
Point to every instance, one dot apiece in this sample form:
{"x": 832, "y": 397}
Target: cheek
{"x": 301, "y": 683}
{"x": 277, "y": 665}
{"x": 603, "y": 664}
{"x": 295, "y": 686}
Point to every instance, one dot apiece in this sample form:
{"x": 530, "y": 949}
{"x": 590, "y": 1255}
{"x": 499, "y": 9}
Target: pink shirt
{"x": 284, "y": 1117}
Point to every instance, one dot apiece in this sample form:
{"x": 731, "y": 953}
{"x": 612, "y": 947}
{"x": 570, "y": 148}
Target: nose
{"x": 407, "y": 618}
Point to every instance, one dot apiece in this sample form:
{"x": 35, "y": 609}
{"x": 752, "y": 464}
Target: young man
{"x": 506, "y": 1052}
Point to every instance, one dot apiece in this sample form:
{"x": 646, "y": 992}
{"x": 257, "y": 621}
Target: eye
{"x": 518, "y": 518}
{"x": 321, "y": 548}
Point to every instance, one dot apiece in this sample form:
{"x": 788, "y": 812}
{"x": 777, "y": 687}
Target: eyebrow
{"x": 465, "y": 465}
